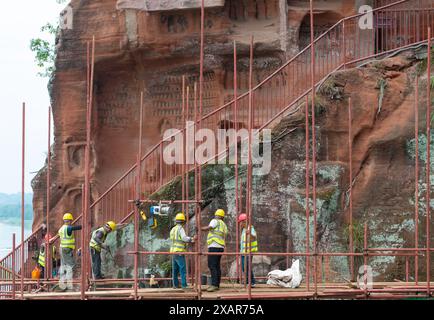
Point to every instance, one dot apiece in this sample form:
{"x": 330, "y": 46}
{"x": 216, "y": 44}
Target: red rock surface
{"x": 145, "y": 50}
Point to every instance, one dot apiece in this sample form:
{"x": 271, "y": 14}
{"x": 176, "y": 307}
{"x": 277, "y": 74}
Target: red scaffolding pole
{"x": 428, "y": 160}
{"x": 23, "y": 162}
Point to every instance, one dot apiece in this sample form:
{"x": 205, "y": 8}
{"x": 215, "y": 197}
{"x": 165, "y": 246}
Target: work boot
{"x": 212, "y": 289}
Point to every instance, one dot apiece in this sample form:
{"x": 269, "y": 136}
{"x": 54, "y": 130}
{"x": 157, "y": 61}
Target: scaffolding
{"x": 342, "y": 46}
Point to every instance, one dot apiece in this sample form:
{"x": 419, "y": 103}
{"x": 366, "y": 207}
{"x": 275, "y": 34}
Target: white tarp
{"x": 289, "y": 278}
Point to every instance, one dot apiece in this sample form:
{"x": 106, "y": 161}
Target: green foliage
{"x": 422, "y": 67}
{"x": 45, "y": 51}
{"x": 358, "y": 229}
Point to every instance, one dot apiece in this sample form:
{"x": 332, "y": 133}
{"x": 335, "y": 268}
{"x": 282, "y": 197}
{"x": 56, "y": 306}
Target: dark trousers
{"x": 96, "y": 263}
{"x": 42, "y": 271}
{"x": 214, "y": 266}
{"x": 247, "y": 263}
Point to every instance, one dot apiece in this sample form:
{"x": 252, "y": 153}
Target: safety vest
{"x": 41, "y": 257}
{"x": 177, "y": 244}
{"x": 65, "y": 240}
{"x": 218, "y": 234}
{"x": 253, "y": 244}
{"x": 93, "y": 243}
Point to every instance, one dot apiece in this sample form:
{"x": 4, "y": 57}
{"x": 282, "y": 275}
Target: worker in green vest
{"x": 67, "y": 245}
{"x": 97, "y": 243}
{"x": 216, "y": 243}
{"x": 179, "y": 241}
{"x": 246, "y": 248}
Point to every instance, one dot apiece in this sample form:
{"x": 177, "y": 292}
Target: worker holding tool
{"x": 179, "y": 241}
{"x": 67, "y": 244}
{"x": 246, "y": 248}
{"x": 216, "y": 243}
{"x": 97, "y": 243}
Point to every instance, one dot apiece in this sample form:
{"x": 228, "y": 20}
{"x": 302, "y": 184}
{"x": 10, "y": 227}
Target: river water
{"x": 6, "y": 232}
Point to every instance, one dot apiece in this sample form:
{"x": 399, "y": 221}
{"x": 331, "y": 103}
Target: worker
{"x": 179, "y": 241}
{"x": 246, "y": 248}
{"x": 41, "y": 256}
{"x": 216, "y": 243}
{"x": 67, "y": 245}
{"x": 97, "y": 243}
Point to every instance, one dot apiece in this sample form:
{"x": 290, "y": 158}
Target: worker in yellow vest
{"x": 41, "y": 256}
{"x": 97, "y": 243}
{"x": 179, "y": 241}
{"x": 216, "y": 243}
{"x": 245, "y": 247}
{"x": 67, "y": 244}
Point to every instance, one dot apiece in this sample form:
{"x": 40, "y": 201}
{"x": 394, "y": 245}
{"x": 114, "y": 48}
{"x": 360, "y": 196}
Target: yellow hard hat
{"x": 180, "y": 217}
{"x": 112, "y": 225}
{"x": 220, "y": 213}
{"x": 68, "y": 216}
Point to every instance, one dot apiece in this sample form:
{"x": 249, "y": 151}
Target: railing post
{"x": 428, "y": 168}
{"x": 23, "y": 160}
{"x": 13, "y": 266}
{"x": 47, "y": 242}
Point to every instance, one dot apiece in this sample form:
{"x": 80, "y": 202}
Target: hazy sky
{"x": 20, "y": 21}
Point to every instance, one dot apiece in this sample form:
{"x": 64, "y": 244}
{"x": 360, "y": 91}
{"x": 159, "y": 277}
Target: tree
{"x": 45, "y": 50}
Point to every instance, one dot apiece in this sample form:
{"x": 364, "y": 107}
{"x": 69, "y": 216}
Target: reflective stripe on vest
{"x": 65, "y": 240}
{"x": 253, "y": 244}
{"x": 177, "y": 244}
{"x": 93, "y": 243}
{"x": 41, "y": 258}
{"x": 218, "y": 234}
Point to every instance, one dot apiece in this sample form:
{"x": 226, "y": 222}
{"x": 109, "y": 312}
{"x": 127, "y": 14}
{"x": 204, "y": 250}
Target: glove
{"x": 138, "y": 203}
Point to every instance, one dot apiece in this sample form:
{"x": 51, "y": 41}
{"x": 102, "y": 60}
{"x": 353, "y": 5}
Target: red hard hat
{"x": 242, "y": 217}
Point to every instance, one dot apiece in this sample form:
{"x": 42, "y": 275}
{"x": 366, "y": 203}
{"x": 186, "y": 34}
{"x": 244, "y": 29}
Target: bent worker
{"x": 216, "y": 243}
{"x": 41, "y": 256}
{"x": 67, "y": 245}
{"x": 246, "y": 248}
{"x": 179, "y": 241}
{"x": 97, "y": 243}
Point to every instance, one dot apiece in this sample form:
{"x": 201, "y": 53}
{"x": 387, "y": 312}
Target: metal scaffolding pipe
{"x": 47, "y": 242}
{"x": 138, "y": 194}
{"x": 237, "y": 204}
{"x": 199, "y": 186}
{"x": 248, "y": 259}
{"x": 13, "y": 266}
{"x": 23, "y": 162}
{"x": 428, "y": 164}
{"x": 416, "y": 179}
{"x": 312, "y": 61}
{"x": 306, "y": 112}
{"x": 350, "y": 163}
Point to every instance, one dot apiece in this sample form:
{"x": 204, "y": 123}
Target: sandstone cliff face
{"x": 383, "y": 144}
{"x": 140, "y": 49}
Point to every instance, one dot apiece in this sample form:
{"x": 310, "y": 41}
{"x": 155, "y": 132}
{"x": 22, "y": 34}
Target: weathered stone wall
{"x": 150, "y": 51}
{"x": 383, "y": 144}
